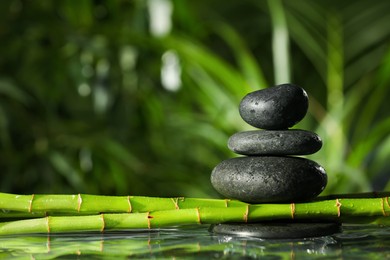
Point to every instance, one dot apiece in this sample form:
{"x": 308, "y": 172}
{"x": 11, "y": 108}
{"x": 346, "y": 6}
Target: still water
{"x": 195, "y": 242}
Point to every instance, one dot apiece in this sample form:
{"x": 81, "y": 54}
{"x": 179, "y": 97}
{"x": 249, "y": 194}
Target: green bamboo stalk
{"x": 348, "y": 210}
{"x": 87, "y": 204}
{"x": 35, "y": 206}
{"x": 94, "y": 204}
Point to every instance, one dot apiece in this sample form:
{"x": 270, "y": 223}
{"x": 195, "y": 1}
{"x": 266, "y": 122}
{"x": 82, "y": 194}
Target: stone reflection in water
{"x": 280, "y": 248}
{"x": 362, "y": 241}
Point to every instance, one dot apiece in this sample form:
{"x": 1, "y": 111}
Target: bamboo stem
{"x": 346, "y": 210}
{"x": 42, "y": 205}
{"x": 84, "y": 203}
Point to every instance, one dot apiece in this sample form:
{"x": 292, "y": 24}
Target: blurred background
{"x": 139, "y": 97}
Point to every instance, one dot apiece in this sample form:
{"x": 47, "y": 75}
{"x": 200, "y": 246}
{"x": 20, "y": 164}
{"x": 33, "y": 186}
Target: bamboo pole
{"x": 84, "y": 203}
{"x": 38, "y": 205}
{"x": 346, "y": 210}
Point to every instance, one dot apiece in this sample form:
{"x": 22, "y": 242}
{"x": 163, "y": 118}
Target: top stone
{"x": 275, "y": 108}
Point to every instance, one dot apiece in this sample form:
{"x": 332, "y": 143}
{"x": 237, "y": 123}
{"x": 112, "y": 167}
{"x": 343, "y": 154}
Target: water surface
{"x": 355, "y": 242}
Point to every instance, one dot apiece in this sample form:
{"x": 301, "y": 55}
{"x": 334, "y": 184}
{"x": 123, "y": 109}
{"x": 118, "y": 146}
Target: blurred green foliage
{"x": 83, "y": 109}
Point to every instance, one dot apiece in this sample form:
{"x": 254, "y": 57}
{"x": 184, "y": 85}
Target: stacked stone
{"x": 270, "y": 172}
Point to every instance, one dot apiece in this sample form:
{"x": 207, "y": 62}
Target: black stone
{"x": 277, "y": 230}
{"x": 263, "y": 179}
{"x": 277, "y": 142}
{"x": 275, "y": 108}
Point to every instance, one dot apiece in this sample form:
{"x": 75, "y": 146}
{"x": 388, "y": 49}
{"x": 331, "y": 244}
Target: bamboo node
{"x": 175, "y": 202}
{"x": 48, "y": 224}
{"x": 338, "y": 205}
{"x": 130, "y": 207}
{"x": 227, "y": 203}
{"x": 383, "y": 207}
{"x": 387, "y": 202}
{"x": 79, "y": 202}
{"x": 30, "y": 203}
{"x": 198, "y": 215}
{"x": 148, "y": 217}
{"x": 103, "y": 223}
{"x": 246, "y": 213}
{"x": 292, "y": 207}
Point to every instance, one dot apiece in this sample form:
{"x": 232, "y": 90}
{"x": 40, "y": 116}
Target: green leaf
{"x": 7, "y": 88}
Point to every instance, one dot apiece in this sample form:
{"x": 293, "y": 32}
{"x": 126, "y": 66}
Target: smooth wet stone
{"x": 260, "y": 179}
{"x": 276, "y": 142}
{"x": 277, "y": 230}
{"x": 275, "y": 108}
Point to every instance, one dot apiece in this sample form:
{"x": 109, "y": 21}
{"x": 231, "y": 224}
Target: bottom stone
{"x": 277, "y": 230}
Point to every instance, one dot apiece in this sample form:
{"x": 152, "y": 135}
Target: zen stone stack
{"x": 270, "y": 172}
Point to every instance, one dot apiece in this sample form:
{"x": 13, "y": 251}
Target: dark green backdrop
{"x": 83, "y": 108}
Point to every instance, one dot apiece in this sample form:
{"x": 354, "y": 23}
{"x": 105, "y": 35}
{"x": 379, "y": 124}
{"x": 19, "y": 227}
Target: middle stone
{"x": 278, "y": 142}
{"x": 268, "y": 179}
